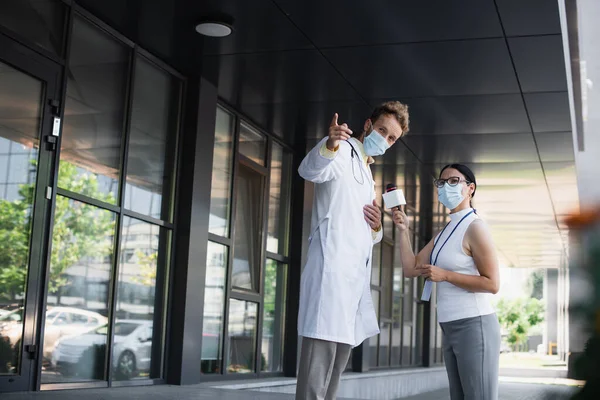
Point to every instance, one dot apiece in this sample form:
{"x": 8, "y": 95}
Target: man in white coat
{"x": 336, "y": 310}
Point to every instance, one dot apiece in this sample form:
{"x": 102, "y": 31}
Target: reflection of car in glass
{"x": 131, "y": 354}
{"x": 11, "y": 326}
{"x": 60, "y": 321}
{"x": 68, "y": 321}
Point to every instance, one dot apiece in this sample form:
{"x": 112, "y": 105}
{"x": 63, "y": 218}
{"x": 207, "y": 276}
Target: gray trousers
{"x": 321, "y": 367}
{"x": 472, "y": 356}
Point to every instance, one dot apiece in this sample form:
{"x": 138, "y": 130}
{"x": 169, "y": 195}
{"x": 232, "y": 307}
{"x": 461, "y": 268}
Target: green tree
{"x": 518, "y": 316}
{"x": 15, "y": 222}
{"x": 80, "y": 231}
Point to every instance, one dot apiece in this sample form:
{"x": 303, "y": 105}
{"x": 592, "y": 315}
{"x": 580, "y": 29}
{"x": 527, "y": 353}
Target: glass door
{"x": 28, "y": 104}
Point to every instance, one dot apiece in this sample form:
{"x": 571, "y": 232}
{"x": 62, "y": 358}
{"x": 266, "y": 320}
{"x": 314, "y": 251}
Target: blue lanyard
{"x": 448, "y": 238}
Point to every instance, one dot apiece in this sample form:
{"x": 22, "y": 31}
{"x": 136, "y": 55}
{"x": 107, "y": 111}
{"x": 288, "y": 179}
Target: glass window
{"x": 384, "y": 345}
{"x": 279, "y": 201}
{"x": 252, "y": 144}
{"x": 152, "y": 141}
{"x": 373, "y": 350}
{"x": 376, "y": 265}
{"x": 418, "y": 339}
{"x": 388, "y": 226}
{"x": 408, "y": 300}
{"x": 407, "y": 344}
{"x": 396, "y": 330}
{"x": 398, "y": 273}
{"x": 242, "y": 336}
{"x": 39, "y": 21}
{"x": 82, "y": 238}
{"x": 220, "y": 195}
{"x": 20, "y": 101}
{"x": 248, "y": 226}
{"x": 386, "y": 280}
{"x": 374, "y": 340}
{"x": 139, "y": 278}
{"x": 94, "y": 112}
{"x": 274, "y": 306}
{"x": 214, "y": 308}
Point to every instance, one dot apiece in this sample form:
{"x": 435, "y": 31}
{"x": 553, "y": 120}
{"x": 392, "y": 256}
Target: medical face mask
{"x": 451, "y": 196}
{"x": 375, "y": 144}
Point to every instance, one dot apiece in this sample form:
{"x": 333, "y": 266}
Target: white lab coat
{"x": 335, "y": 289}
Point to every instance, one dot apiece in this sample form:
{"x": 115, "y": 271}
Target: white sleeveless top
{"x": 454, "y": 303}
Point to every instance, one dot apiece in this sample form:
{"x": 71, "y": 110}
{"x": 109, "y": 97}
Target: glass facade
{"x": 20, "y": 120}
{"x": 112, "y": 224}
{"x": 246, "y": 294}
{"x": 108, "y": 248}
{"x": 396, "y": 298}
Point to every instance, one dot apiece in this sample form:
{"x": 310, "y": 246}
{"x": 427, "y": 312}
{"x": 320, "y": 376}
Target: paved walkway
{"x": 508, "y": 391}
{"x": 513, "y": 391}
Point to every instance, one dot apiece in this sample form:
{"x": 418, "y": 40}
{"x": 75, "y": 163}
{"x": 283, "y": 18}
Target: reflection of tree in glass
{"x": 79, "y": 232}
{"x": 15, "y": 222}
{"x": 147, "y": 268}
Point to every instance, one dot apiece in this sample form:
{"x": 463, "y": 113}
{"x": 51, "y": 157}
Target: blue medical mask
{"x": 451, "y": 196}
{"x": 375, "y": 144}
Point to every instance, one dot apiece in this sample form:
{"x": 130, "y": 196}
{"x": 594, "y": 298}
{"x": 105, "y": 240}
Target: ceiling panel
{"x": 467, "y": 149}
{"x": 529, "y": 17}
{"x": 428, "y": 69}
{"x": 555, "y": 146}
{"x": 549, "y": 112}
{"x": 506, "y": 174}
{"x": 540, "y": 63}
{"x": 266, "y": 78}
{"x": 448, "y": 61}
{"x": 562, "y": 182}
{"x": 291, "y": 121}
{"x": 504, "y": 113}
{"x": 336, "y": 23}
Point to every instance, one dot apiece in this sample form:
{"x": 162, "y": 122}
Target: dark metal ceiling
{"x": 484, "y": 79}
{"x": 485, "y": 82}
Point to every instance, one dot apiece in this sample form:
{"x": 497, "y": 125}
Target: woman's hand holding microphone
{"x": 400, "y": 219}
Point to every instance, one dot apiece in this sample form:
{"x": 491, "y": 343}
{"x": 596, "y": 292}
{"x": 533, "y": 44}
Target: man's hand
{"x": 373, "y": 215}
{"x": 337, "y": 133}
{"x": 433, "y": 273}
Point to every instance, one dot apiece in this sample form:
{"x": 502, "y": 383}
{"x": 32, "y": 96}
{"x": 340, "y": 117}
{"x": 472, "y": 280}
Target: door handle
{"x": 31, "y": 349}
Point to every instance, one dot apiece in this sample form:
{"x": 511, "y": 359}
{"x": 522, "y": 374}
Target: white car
{"x": 131, "y": 355}
{"x": 60, "y": 322}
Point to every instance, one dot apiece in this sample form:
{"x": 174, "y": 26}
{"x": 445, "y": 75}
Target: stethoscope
{"x": 352, "y": 152}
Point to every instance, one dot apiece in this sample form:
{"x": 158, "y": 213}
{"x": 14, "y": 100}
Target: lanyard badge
{"x": 427, "y": 288}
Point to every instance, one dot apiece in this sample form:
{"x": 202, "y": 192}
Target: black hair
{"x": 467, "y": 173}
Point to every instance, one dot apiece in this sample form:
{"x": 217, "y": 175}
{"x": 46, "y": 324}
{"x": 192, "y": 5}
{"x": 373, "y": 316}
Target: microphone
{"x": 393, "y": 197}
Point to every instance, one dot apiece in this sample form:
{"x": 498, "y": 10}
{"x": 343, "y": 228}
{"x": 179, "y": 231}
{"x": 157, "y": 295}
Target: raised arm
{"x": 324, "y": 162}
{"x": 409, "y": 260}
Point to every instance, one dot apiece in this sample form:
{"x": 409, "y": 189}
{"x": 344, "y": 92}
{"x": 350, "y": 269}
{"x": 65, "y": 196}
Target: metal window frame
{"x": 163, "y": 289}
{"x": 28, "y": 61}
{"x": 239, "y": 160}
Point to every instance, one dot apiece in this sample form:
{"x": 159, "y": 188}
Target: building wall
{"x": 161, "y": 265}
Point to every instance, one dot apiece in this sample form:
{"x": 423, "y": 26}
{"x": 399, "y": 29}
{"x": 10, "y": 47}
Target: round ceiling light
{"x": 214, "y": 29}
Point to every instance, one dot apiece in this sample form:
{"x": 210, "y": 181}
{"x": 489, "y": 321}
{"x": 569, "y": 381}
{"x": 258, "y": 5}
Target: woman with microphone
{"x": 463, "y": 262}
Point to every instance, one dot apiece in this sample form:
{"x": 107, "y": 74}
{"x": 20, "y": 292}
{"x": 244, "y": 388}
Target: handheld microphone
{"x": 393, "y": 197}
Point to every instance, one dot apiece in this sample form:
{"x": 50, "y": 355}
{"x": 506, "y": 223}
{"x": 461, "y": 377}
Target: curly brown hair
{"x": 395, "y": 108}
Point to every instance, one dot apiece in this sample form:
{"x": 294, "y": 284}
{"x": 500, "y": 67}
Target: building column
{"x": 579, "y": 22}
{"x": 188, "y": 280}
{"x": 552, "y": 313}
